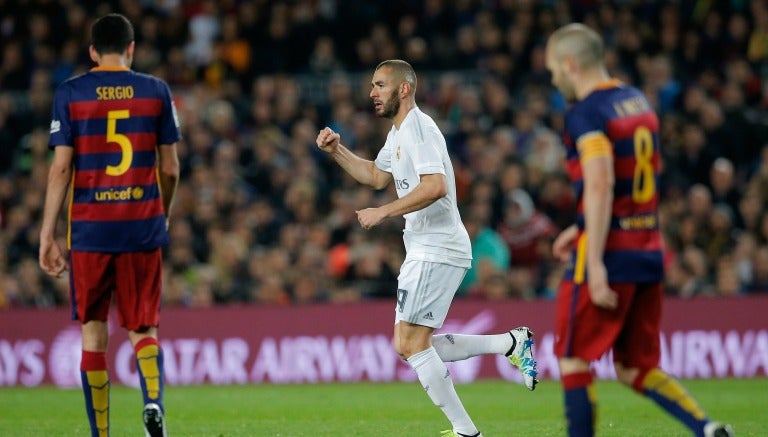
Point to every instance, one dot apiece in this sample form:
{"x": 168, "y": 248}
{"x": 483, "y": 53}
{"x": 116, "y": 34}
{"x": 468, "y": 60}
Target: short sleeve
{"x": 427, "y": 159}
{"x": 169, "y": 118}
{"x": 384, "y": 158}
{"x": 588, "y": 132}
{"x": 581, "y": 122}
{"x": 61, "y": 126}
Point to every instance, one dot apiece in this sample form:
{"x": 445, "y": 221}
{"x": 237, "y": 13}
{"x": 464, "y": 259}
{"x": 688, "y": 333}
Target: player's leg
{"x": 149, "y": 363}
{"x": 584, "y": 332}
{"x": 91, "y": 286}
{"x": 458, "y": 347}
{"x": 138, "y": 303}
{"x": 515, "y": 344}
{"x": 637, "y": 353}
{"x": 425, "y": 291}
{"x": 579, "y": 396}
{"x": 412, "y": 343}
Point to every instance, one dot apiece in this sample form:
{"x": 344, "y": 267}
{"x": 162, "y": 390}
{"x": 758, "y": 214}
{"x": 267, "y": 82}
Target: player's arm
{"x": 596, "y": 157}
{"x": 563, "y": 244}
{"x": 59, "y": 176}
{"x": 168, "y": 166}
{"x": 167, "y": 156}
{"x": 430, "y": 188}
{"x": 363, "y": 170}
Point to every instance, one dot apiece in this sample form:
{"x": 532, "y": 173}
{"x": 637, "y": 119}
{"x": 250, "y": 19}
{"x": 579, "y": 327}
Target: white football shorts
{"x": 425, "y": 291}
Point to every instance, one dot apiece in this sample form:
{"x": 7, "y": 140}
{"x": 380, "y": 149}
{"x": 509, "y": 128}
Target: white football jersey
{"x": 435, "y": 233}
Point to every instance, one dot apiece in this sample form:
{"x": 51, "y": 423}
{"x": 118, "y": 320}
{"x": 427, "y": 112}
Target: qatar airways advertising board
{"x": 702, "y": 338}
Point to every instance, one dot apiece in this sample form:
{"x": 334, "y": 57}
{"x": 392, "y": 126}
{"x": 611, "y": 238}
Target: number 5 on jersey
{"x": 126, "y": 148}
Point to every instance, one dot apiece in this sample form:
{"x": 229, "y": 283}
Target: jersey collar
{"x": 100, "y": 68}
{"x": 608, "y": 84}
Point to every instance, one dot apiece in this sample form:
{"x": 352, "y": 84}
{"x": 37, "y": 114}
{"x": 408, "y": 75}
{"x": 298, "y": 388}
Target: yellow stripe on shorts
{"x": 580, "y": 267}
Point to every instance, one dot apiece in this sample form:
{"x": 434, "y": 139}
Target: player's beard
{"x": 391, "y": 107}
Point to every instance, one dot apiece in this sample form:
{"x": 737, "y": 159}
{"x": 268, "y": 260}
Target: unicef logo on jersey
{"x": 120, "y": 194}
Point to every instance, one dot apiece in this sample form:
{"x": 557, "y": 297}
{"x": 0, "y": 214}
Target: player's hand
{"x": 563, "y": 245}
{"x": 51, "y": 260}
{"x": 600, "y": 292}
{"x": 328, "y": 140}
{"x": 370, "y": 217}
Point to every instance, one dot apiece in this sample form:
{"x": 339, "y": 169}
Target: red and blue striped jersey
{"x": 114, "y": 119}
{"x": 616, "y": 120}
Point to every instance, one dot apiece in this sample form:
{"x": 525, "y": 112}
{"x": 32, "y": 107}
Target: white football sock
{"x": 457, "y": 347}
{"x": 437, "y": 382}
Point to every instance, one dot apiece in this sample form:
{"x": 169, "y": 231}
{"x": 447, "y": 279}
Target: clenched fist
{"x": 328, "y": 140}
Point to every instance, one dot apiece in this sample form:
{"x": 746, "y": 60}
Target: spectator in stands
{"x": 528, "y": 234}
{"x": 490, "y": 255}
{"x": 695, "y": 159}
{"x": 493, "y": 287}
{"x": 759, "y": 283}
{"x": 722, "y": 180}
{"x": 727, "y": 280}
{"x": 683, "y": 275}
{"x": 722, "y": 234}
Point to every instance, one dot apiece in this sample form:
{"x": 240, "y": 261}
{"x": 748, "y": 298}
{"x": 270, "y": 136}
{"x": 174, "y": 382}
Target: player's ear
{"x": 130, "y": 49}
{"x": 405, "y": 89}
{"x": 570, "y": 64}
{"x": 94, "y": 54}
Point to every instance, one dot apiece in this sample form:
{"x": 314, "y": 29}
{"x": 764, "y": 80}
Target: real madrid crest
{"x": 397, "y": 153}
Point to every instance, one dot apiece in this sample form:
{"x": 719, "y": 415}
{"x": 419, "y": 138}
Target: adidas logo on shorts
{"x": 429, "y": 316}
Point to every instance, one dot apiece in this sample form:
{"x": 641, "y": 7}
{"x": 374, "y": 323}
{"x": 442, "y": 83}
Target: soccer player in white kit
{"x": 438, "y": 251}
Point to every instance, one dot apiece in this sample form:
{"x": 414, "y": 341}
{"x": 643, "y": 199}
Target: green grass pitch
{"x": 399, "y": 409}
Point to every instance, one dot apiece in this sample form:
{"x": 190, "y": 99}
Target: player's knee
{"x": 625, "y": 377}
{"x": 396, "y": 346}
{"x": 142, "y": 329}
{"x": 402, "y": 350}
{"x": 405, "y": 349}
{"x": 95, "y": 336}
{"x": 628, "y": 375}
{"x": 573, "y": 365}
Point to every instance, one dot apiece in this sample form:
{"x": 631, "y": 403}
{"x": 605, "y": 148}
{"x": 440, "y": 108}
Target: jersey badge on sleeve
{"x": 175, "y": 114}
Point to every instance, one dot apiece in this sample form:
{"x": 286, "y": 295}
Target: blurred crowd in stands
{"x": 263, "y": 217}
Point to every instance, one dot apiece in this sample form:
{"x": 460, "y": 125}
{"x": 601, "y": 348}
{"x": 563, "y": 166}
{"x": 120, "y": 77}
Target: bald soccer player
{"x": 611, "y": 295}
